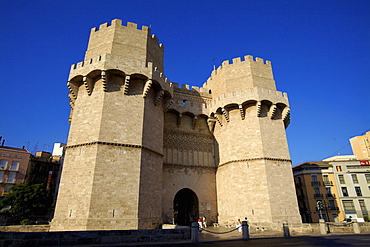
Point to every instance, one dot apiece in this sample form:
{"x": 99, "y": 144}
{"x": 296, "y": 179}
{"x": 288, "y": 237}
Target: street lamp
{"x": 320, "y": 207}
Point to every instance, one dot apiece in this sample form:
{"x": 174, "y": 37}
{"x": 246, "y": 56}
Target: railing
{"x": 332, "y": 208}
{"x": 330, "y": 183}
{"x": 330, "y": 196}
{"x": 315, "y": 183}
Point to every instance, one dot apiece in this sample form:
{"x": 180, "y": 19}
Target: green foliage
{"x": 26, "y": 201}
{"x": 25, "y": 222}
{"x": 366, "y": 218}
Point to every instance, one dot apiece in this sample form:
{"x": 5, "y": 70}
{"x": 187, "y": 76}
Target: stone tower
{"x": 117, "y": 97}
{"x": 143, "y": 151}
{"x": 254, "y": 174}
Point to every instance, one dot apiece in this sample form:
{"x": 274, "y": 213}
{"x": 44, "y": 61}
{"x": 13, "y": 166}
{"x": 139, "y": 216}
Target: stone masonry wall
{"x": 201, "y": 180}
{"x": 137, "y": 139}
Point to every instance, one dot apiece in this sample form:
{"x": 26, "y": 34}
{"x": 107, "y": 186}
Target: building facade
{"x": 13, "y": 167}
{"x": 353, "y": 183}
{"x": 143, "y": 151}
{"x": 334, "y": 189}
{"x": 317, "y": 192}
{"x": 44, "y": 169}
{"x": 361, "y": 146}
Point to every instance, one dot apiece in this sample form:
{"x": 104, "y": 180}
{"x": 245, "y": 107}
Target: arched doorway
{"x": 185, "y": 207}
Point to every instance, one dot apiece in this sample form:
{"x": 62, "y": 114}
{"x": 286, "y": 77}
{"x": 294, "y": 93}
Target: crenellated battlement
{"x": 130, "y": 26}
{"x": 127, "y": 41}
{"x": 190, "y": 88}
{"x": 240, "y": 60}
{"x": 127, "y": 65}
{"x": 246, "y": 72}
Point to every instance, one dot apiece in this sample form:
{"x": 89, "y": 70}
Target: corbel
{"x": 168, "y": 104}
{"x": 126, "y": 85}
{"x": 226, "y": 114}
{"x": 211, "y": 124}
{"x": 218, "y": 119}
{"x": 159, "y": 97}
{"x": 273, "y": 111}
{"x": 73, "y": 90}
{"x": 104, "y": 80}
{"x": 194, "y": 121}
{"x": 259, "y": 108}
{"x": 88, "y": 84}
{"x": 148, "y": 85}
{"x": 242, "y": 114}
{"x": 179, "y": 120}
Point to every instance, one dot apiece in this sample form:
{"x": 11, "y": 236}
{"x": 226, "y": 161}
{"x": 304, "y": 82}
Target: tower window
{"x": 184, "y": 102}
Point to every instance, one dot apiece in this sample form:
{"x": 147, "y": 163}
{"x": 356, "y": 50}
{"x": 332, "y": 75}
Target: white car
{"x": 350, "y": 219}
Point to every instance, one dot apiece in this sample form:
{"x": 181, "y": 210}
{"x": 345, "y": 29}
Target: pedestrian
{"x": 200, "y": 222}
{"x": 204, "y": 221}
{"x": 239, "y": 226}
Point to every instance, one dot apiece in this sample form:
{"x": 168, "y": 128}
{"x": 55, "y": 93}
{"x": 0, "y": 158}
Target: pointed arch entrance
{"x": 185, "y": 207}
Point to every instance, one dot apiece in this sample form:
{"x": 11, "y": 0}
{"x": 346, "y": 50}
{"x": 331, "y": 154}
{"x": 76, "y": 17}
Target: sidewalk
{"x": 265, "y": 238}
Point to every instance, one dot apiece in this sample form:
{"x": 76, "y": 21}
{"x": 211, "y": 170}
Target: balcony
{"x": 318, "y": 195}
{"x": 315, "y": 183}
{"x": 333, "y": 208}
{"x": 328, "y": 183}
{"x": 298, "y": 185}
{"x": 330, "y": 195}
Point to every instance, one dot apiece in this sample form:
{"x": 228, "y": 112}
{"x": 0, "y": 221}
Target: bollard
{"x": 286, "y": 229}
{"x": 323, "y": 228}
{"x": 194, "y": 232}
{"x": 356, "y": 227}
{"x": 245, "y": 230}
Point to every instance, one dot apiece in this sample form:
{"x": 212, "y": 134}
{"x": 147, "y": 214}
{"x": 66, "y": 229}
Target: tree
{"x": 26, "y": 202}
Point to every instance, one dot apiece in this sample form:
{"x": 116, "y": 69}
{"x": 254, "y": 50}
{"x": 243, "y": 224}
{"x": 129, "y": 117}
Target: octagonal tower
{"x": 248, "y": 117}
{"x": 112, "y": 173}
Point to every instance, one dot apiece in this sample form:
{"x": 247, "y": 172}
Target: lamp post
{"x": 320, "y": 207}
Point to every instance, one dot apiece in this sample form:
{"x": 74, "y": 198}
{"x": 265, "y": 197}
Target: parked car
{"x": 351, "y": 219}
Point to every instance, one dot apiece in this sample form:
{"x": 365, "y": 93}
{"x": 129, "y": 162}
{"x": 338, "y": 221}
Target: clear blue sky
{"x": 320, "y": 51}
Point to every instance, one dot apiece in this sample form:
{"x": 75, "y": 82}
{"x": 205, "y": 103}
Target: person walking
{"x": 204, "y": 221}
{"x": 200, "y": 222}
{"x": 239, "y": 226}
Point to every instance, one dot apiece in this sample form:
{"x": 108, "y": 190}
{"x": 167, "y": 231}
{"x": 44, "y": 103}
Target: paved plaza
{"x": 266, "y": 238}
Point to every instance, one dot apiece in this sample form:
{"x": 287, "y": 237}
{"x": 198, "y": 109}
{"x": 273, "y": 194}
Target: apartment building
{"x": 334, "y": 189}
{"x": 316, "y": 192}
{"x": 361, "y": 146}
{"x": 352, "y": 177}
{"x": 13, "y": 167}
{"x": 44, "y": 169}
